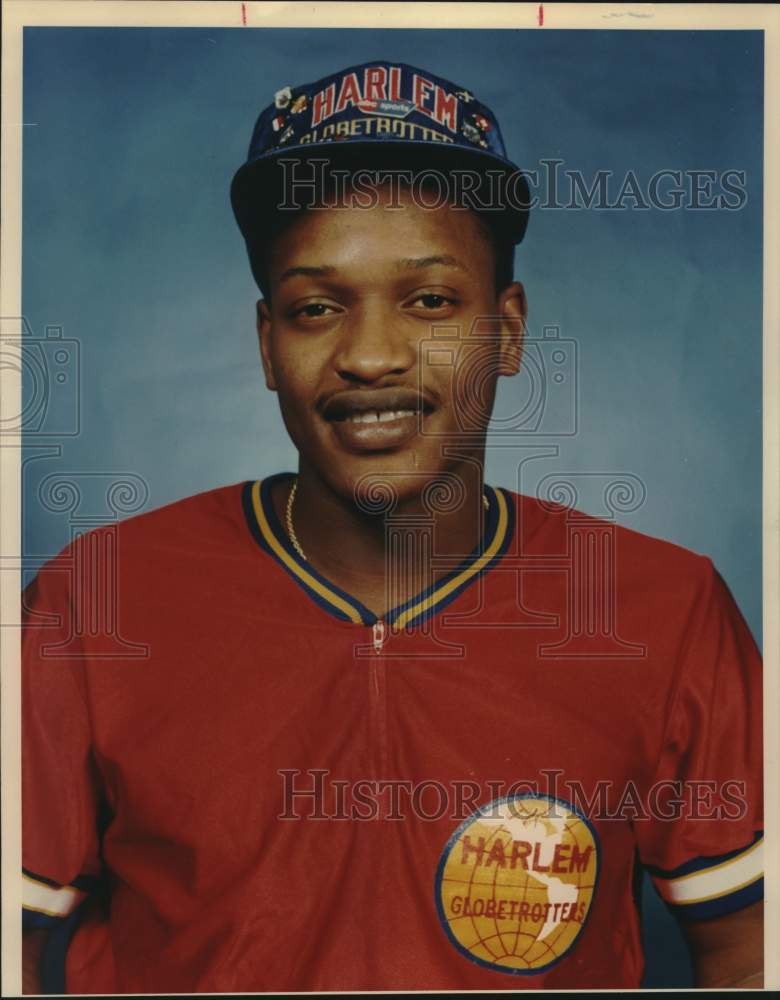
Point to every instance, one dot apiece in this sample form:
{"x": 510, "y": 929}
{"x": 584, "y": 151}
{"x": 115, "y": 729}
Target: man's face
{"x": 347, "y": 342}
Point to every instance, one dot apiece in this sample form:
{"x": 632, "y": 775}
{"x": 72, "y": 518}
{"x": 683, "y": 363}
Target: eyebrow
{"x": 405, "y": 263}
{"x": 417, "y": 263}
{"x": 311, "y": 272}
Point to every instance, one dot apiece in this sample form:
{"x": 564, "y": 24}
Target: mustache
{"x": 344, "y": 403}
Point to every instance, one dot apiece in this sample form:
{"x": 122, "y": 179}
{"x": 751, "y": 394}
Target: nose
{"x": 373, "y": 344}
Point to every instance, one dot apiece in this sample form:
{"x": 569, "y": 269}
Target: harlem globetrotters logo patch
{"x": 515, "y": 883}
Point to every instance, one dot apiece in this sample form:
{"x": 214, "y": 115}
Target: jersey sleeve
{"x": 702, "y": 844}
{"x": 60, "y": 791}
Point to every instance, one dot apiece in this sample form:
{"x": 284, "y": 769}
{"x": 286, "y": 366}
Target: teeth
{"x": 395, "y": 414}
{"x": 379, "y": 416}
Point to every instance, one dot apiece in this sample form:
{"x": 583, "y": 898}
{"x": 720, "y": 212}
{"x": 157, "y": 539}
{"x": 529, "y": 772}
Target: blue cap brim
{"x": 256, "y": 190}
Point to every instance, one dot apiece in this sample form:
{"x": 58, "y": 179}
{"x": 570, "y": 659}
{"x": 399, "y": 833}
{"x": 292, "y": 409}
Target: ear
{"x": 264, "y": 338}
{"x": 513, "y": 309}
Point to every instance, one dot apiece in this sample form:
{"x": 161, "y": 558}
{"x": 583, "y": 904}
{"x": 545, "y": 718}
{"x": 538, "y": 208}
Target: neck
{"x": 384, "y": 559}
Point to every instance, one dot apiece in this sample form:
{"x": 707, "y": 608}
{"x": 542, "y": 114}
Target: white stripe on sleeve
{"x": 720, "y": 880}
{"x": 43, "y": 898}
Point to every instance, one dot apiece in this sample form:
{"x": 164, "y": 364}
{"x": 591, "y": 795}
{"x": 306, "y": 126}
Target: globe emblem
{"x": 515, "y": 883}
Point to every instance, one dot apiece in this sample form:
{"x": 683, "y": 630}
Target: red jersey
{"x": 236, "y": 778}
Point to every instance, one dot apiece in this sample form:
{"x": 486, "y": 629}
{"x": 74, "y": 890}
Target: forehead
{"x": 383, "y": 221}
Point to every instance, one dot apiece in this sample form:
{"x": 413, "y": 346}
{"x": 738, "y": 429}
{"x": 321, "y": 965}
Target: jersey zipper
{"x": 378, "y": 630}
{"x": 377, "y": 695}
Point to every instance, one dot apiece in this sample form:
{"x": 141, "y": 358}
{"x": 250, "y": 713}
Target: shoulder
{"x": 210, "y": 516}
{"x": 566, "y": 537}
{"x": 206, "y": 522}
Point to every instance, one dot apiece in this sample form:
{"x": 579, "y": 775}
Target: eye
{"x": 432, "y": 301}
{"x": 312, "y": 310}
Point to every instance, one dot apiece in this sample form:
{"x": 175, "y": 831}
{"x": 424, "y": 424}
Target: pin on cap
{"x": 378, "y": 113}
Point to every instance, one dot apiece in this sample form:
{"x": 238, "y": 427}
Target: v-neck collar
{"x": 271, "y": 536}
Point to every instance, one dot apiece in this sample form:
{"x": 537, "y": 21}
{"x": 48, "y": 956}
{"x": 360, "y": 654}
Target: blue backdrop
{"x": 151, "y": 371}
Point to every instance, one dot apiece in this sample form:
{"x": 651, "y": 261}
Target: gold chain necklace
{"x": 291, "y": 529}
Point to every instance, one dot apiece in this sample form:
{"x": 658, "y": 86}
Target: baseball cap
{"x": 380, "y": 114}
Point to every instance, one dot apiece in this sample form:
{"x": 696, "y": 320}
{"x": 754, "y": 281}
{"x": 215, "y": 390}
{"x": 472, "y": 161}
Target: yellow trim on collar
{"x": 479, "y": 563}
{"x": 324, "y": 592}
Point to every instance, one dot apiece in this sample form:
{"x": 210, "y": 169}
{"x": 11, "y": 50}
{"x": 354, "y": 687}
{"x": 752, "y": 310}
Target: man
{"x": 394, "y": 728}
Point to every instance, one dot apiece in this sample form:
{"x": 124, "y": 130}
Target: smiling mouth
{"x": 376, "y": 420}
{"x": 378, "y": 405}
{"x": 377, "y": 416}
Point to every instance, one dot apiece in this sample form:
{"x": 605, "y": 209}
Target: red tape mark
{"x": 243, "y": 14}
{"x": 541, "y": 14}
